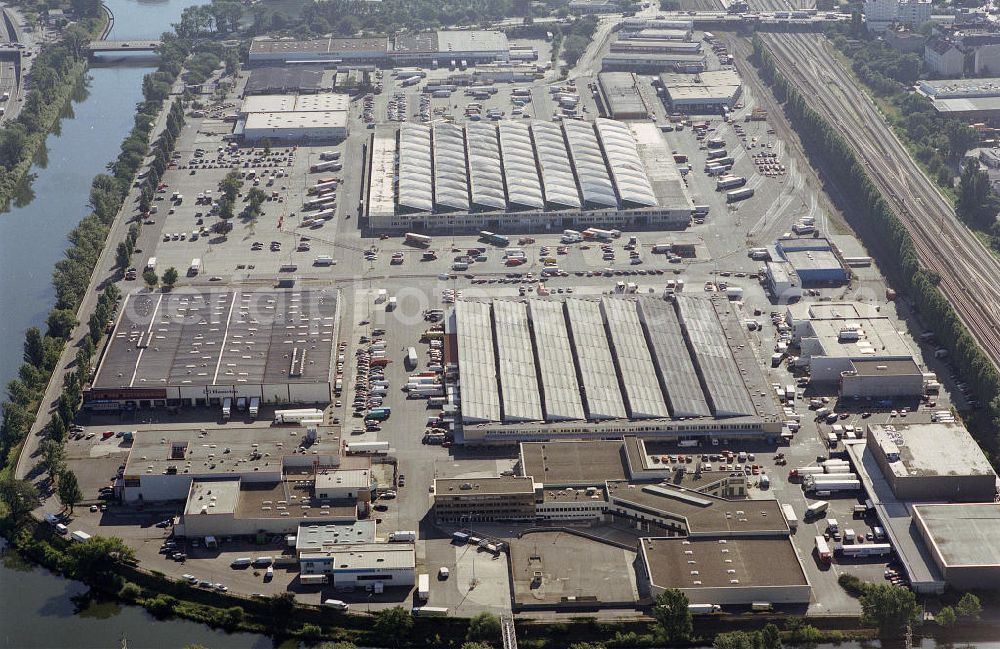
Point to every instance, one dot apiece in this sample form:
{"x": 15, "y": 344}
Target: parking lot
{"x": 388, "y": 285}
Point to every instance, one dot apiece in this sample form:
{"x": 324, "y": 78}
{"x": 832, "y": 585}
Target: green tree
{"x": 670, "y": 608}
{"x": 393, "y": 625}
{"x": 130, "y": 592}
{"x": 61, "y": 323}
{"x": 484, "y": 626}
{"x": 230, "y": 185}
{"x": 737, "y": 640}
{"x": 587, "y": 645}
{"x": 69, "y": 489}
{"x": 255, "y": 198}
{"x": 946, "y": 617}
{"x": 19, "y": 496}
{"x": 57, "y": 428}
{"x": 771, "y": 636}
{"x": 233, "y": 616}
{"x": 476, "y": 645}
{"x": 969, "y": 607}
{"x": 53, "y": 455}
{"x": 34, "y": 347}
{"x": 975, "y": 203}
{"x": 341, "y": 644}
{"x": 150, "y": 278}
{"x": 573, "y": 47}
{"x": 281, "y": 606}
{"x": 888, "y": 608}
{"x": 169, "y": 278}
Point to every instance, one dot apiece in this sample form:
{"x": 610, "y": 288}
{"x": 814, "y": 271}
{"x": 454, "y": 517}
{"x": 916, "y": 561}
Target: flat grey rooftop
{"x": 964, "y": 534}
{"x": 692, "y": 563}
{"x": 201, "y": 338}
{"x": 934, "y": 449}
{"x": 703, "y": 514}
{"x": 574, "y": 463}
{"x": 895, "y": 517}
{"x": 222, "y": 451}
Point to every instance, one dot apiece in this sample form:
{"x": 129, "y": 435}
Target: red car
{"x": 107, "y": 434}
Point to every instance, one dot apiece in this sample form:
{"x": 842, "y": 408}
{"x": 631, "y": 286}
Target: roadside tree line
{"x": 56, "y": 70}
{"x": 889, "y": 237}
{"x": 70, "y": 280}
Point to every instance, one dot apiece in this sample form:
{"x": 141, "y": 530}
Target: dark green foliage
{"x": 670, "y": 608}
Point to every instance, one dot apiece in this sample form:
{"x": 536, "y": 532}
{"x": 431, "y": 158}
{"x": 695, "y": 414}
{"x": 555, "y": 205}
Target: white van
{"x": 336, "y": 604}
{"x": 241, "y": 562}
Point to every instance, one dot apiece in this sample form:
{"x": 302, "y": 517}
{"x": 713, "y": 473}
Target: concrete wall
{"x": 895, "y": 385}
{"x": 162, "y": 487}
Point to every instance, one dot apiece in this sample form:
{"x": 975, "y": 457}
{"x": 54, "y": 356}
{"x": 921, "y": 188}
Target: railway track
{"x": 969, "y": 272}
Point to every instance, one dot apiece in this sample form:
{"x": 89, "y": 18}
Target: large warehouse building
{"x": 962, "y": 541}
{"x": 519, "y": 175}
{"x": 191, "y": 348}
{"x": 328, "y": 50}
{"x": 589, "y": 368}
{"x": 726, "y": 571}
{"x": 852, "y": 344}
{"x": 282, "y": 118}
{"x": 646, "y": 63}
{"x": 707, "y": 92}
{"x": 937, "y": 461}
{"x": 908, "y": 471}
{"x": 964, "y": 98}
{"x": 622, "y": 95}
{"x": 470, "y": 46}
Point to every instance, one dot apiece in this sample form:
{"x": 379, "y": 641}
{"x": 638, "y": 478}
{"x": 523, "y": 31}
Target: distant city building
{"x": 973, "y": 99}
{"x": 943, "y": 59}
{"x": 987, "y": 60}
{"x": 913, "y": 13}
{"x": 594, "y": 7}
{"x": 880, "y": 14}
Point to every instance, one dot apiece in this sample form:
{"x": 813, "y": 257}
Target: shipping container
{"x": 823, "y": 552}
{"x": 739, "y": 195}
{"x": 790, "y": 517}
{"x": 729, "y": 182}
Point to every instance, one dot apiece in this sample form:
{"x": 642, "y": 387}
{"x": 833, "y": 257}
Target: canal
{"x": 38, "y": 609}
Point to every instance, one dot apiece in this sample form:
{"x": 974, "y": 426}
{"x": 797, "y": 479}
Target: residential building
{"x": 943, "y": 59}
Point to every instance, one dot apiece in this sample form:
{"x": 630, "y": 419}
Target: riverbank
{"x": 43, "y": 106}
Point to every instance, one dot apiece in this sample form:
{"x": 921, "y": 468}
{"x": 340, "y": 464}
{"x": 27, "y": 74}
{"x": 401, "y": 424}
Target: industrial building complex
{"x": 520, "y": 175}
{"x": 466, "y": 327}
{"x": 653, "y": 368}
{"x": 438, "y": 47}
{"x": 198, "y": 348}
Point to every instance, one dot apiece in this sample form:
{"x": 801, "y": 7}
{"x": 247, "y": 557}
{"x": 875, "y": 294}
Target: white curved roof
{"x": 597, "y": 365}
{"x": 521, "y": 400}
{"x": 627, "y": 169}
{"x": 480, "y": 399}
{"x": 451, "y": 188}
{"x": 558, "y": 182}
{"x": 595, "y": 183}
{"x": 561, "y": 390}
{"x": 520, "y": 171}
{"x": 415, "y": 179}
{"x": 485, "y": 172}
{"x": 638, "y": 375}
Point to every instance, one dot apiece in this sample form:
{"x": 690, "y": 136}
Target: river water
{"x": 37, "y": 608}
